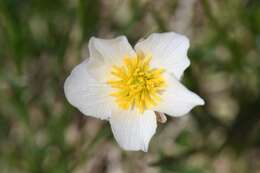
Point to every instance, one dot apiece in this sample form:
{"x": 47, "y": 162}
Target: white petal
{"x": 168, "y": 50}
{"x": 133, "y": 130}
{"x": 87, "y": 94}
{"x": 177, "y": 100}
{"x": 107, "y": 52}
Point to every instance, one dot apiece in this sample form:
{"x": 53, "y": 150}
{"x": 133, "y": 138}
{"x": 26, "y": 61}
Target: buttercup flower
{"x": 126, "y": 86}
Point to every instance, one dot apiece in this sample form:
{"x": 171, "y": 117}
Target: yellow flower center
{"x": 137, "y": 84}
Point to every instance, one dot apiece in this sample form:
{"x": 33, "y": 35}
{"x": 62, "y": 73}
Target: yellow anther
{"x": 137, "y": 85}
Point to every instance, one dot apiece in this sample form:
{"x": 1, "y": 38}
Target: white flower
{"x": 125, "y": 85}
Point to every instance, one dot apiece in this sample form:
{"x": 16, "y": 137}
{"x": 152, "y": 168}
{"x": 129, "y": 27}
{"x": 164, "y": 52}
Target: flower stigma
{"x": 136, "y": 84}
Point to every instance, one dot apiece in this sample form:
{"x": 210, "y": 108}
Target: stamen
{"x": 137, "y": 85}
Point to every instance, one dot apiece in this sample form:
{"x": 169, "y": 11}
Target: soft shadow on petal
{"x": 107, "y": 52}
{"x": 169, "y": 50}
{"x": 133, "y": 130}
{"x": 87, "y": 94}
{"x": 177, "y": 100}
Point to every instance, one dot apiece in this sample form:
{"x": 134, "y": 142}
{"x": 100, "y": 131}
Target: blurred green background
{"x": 42, "y": 40}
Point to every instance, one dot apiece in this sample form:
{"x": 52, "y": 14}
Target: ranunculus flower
{"x": 126, "y": 86}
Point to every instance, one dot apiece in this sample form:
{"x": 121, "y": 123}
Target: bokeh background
{"x": 42, "y": 40}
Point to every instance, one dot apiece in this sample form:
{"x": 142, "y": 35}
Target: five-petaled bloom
{"x": 126, "y": 86}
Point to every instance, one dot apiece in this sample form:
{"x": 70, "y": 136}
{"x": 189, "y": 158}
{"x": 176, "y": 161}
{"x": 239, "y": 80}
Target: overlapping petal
{"x": 132, "y": 129}
{"x": 177, "y": 100}
{"x": 90, "y": 96}
{"x": 107, "y": 52}
{"x": 168, "y": 50}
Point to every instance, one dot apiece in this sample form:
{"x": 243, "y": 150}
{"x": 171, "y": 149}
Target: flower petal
{"x": 87, "y": 94}
{"x": 177, "y": 100}
{"x": 168, "y": 50}
{"x": 132, "y": 129}
{"x": 107, "y": 52}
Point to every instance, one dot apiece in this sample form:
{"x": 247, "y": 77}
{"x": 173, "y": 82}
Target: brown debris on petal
{"x": 161, "y": 117}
